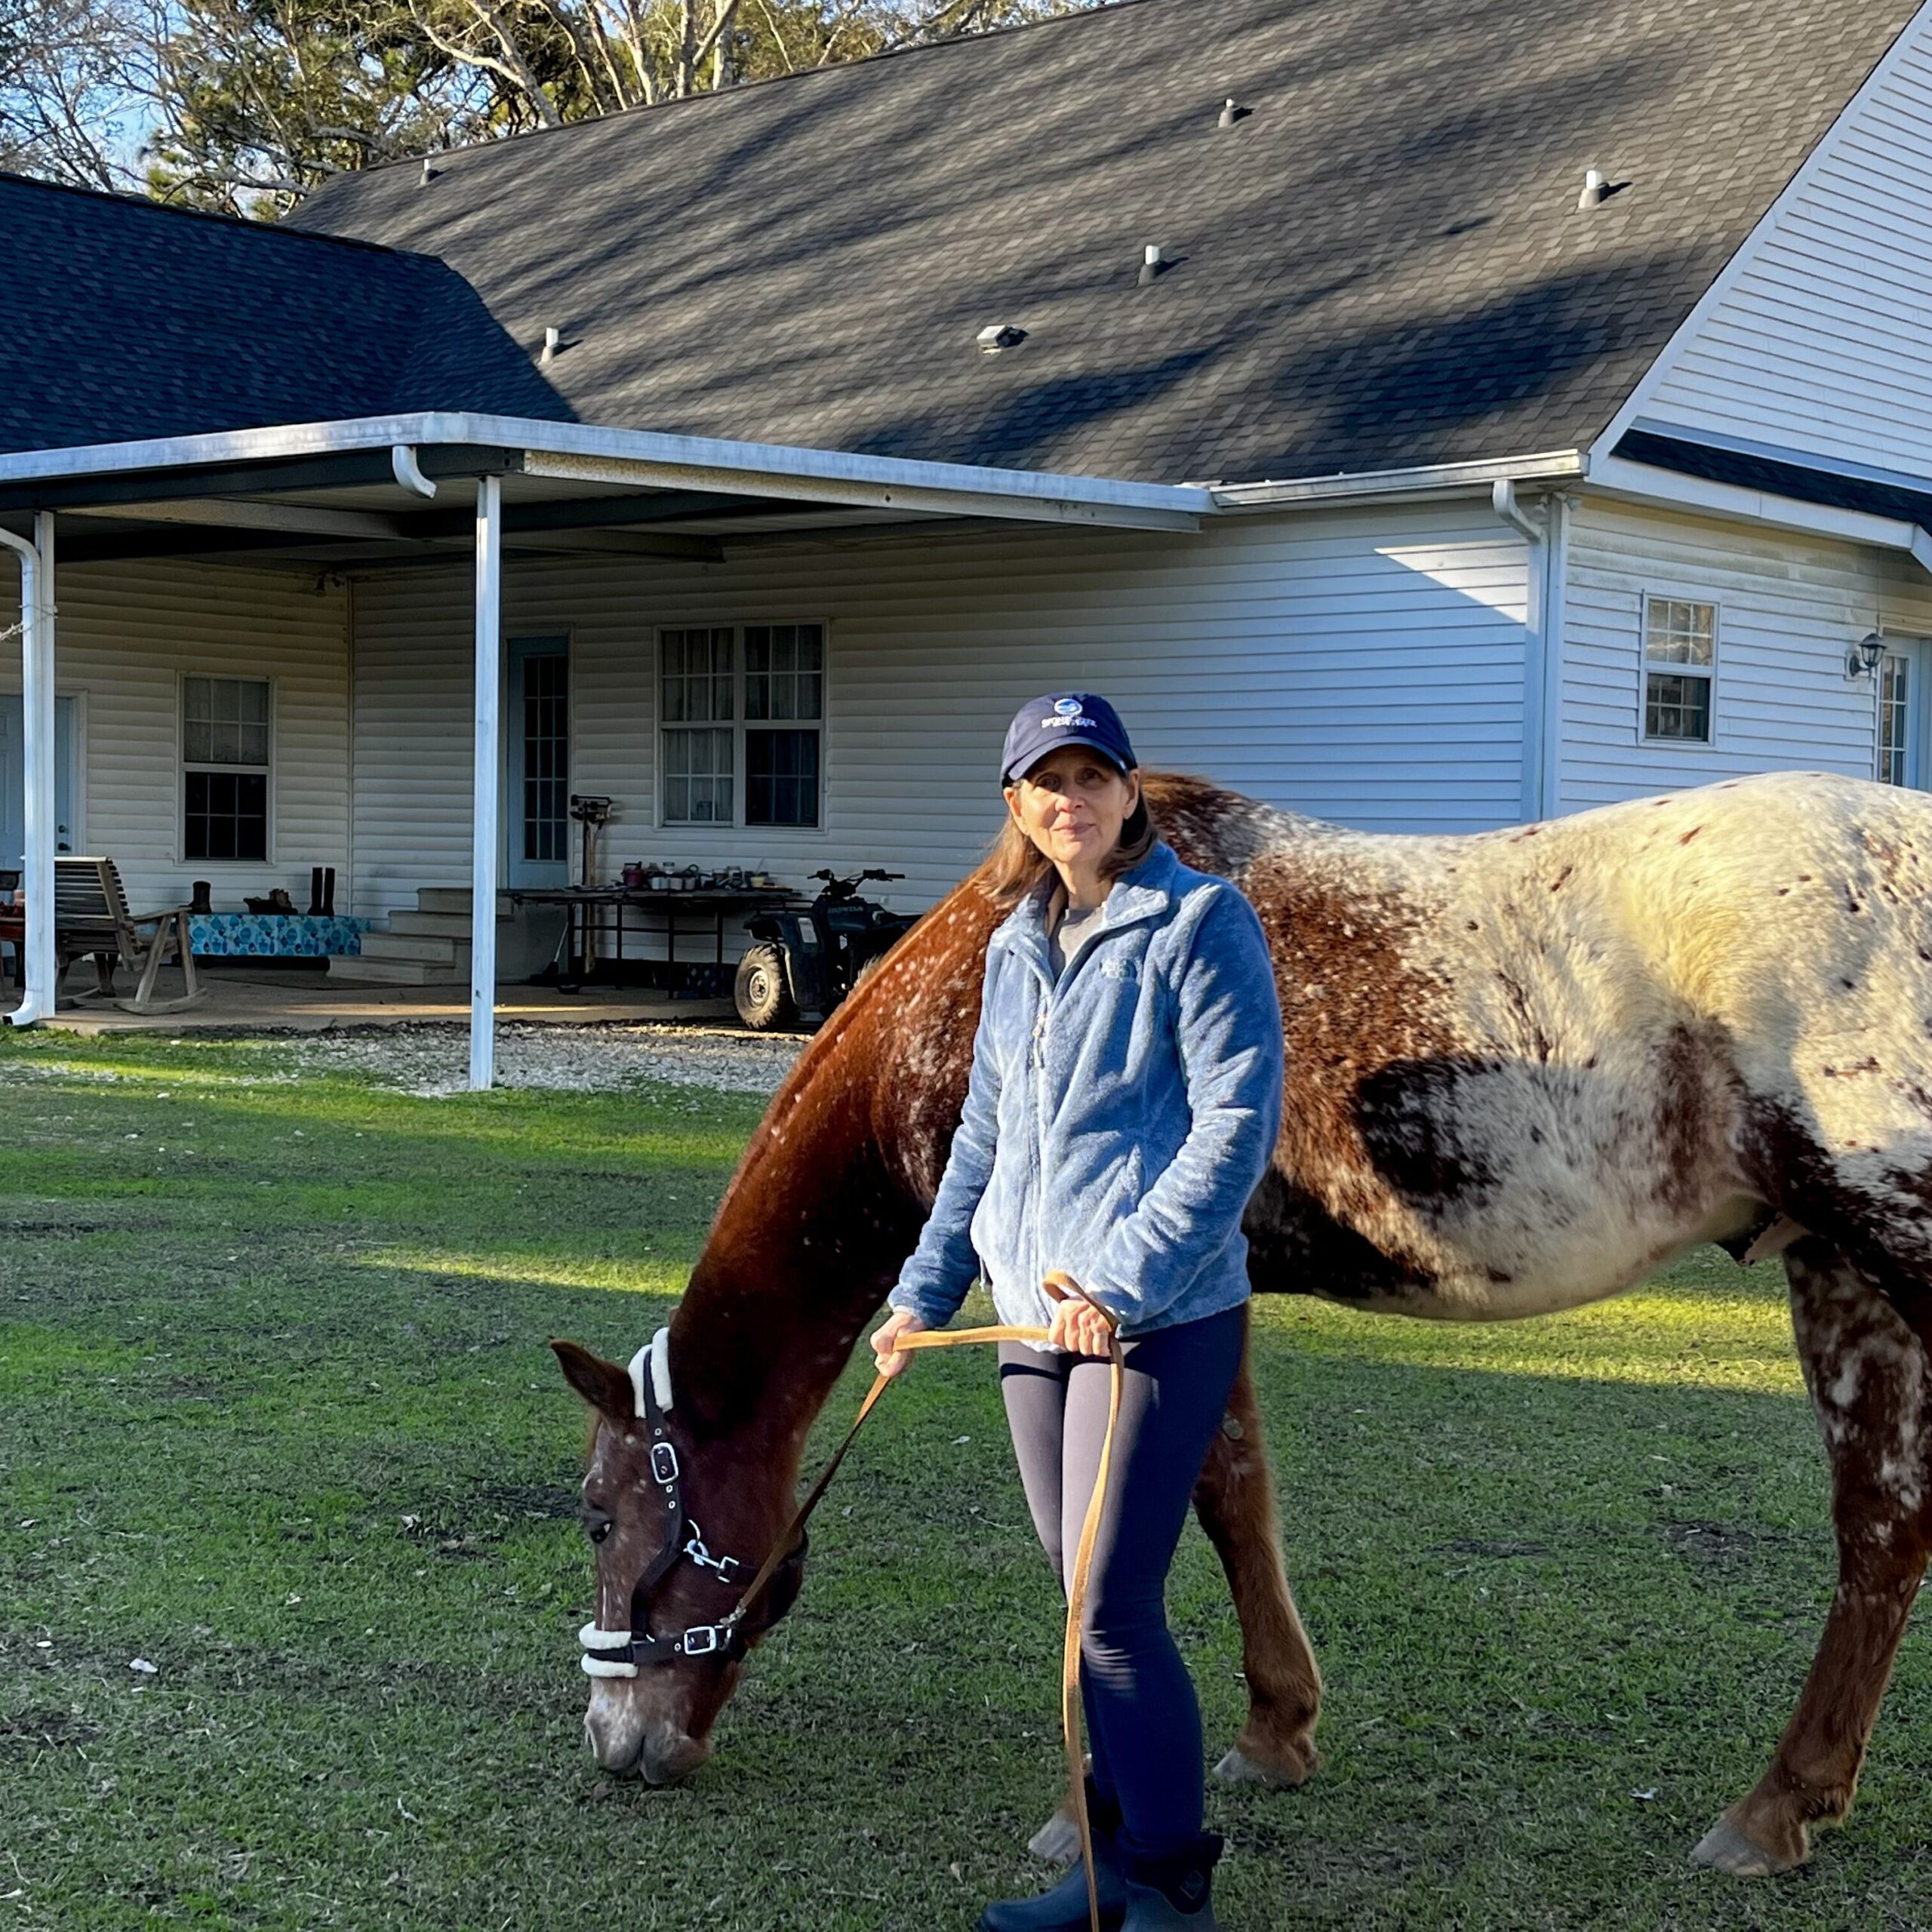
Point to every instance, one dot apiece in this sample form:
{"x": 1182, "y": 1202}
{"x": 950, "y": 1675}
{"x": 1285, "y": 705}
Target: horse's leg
{"x": 1868, "y": 1373}
{"x": 1235, "y": 1501}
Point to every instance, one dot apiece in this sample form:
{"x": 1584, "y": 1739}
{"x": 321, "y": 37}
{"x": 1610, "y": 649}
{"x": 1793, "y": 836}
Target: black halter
{"x": 682, "y": 1539}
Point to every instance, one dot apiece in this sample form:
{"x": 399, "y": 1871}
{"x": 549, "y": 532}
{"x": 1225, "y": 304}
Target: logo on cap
{"x": 1067, "y": 707}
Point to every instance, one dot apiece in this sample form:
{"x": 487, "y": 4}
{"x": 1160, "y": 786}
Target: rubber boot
{"x": 315, "y": 892}
{"x": 1063, "y": 1909}
{"x": 1169, "y": 1891}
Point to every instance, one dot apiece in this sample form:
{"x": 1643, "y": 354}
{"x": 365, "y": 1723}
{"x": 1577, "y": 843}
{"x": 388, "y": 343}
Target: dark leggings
{"x": 1143, "y": 1724}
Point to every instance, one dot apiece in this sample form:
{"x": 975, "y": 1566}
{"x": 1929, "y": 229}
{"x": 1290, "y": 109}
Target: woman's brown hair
{"x": 1016, "y": 865}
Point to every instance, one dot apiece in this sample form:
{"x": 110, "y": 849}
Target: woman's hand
{"x": 1079, "y": 1326}
{"x": 900, "y": 1321}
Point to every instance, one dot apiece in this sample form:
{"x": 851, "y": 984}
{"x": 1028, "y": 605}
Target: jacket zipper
{"x": 1039, "y": 1055}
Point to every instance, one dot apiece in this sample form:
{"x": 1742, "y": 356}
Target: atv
{"x": 806, "y": 956}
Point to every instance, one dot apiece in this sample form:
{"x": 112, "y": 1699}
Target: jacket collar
{"x": 1144, "y": 893}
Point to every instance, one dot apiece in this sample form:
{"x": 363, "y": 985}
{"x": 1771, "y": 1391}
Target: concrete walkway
{"x": 297, "y": 1000}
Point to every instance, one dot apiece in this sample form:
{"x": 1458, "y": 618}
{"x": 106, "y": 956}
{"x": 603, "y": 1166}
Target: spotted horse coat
{"x": 1524, "y": 1069}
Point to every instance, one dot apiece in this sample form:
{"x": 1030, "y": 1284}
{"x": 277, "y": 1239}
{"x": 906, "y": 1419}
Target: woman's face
{"x": 1073, "y": 805}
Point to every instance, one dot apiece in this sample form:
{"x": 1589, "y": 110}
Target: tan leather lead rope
{"x": 1059, "y": 1287}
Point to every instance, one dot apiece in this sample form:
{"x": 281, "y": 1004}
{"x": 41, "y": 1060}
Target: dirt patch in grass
{"x": 50, "y": 1728}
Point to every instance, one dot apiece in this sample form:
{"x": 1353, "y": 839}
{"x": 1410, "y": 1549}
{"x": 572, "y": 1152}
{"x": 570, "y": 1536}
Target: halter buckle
{"x": 692, "y": 1647}
{"x": 664, "y": 1468}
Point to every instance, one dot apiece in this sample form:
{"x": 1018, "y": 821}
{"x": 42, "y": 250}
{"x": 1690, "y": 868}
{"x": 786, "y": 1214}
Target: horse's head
{"x": 679, "y": 1524}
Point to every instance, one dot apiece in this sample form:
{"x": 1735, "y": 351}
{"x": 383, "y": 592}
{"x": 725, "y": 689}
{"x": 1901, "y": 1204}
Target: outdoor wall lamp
{"x": 1864, "y": 657}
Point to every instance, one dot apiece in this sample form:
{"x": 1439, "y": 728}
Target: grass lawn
{"x": 276, "y": 1415}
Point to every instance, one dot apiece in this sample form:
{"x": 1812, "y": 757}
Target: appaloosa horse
{"x": 1525, "y": 1069}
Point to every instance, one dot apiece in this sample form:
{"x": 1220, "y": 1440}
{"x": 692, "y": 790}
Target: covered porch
{"x": 305, "y": 1000}
{"x": 409, "y": 522}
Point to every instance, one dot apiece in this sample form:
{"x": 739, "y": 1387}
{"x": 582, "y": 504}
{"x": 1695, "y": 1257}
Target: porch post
{"x": 488, "y": 780}
{"x": 37, "y": 723}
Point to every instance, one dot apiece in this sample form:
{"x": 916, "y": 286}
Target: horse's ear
{"x": 605, "y": 1386}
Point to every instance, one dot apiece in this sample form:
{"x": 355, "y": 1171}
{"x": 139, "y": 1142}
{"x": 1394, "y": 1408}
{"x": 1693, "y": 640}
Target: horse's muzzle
{"x": 628, "y": 1743}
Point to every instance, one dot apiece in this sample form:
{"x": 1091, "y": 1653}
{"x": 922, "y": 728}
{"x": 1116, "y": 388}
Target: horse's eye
{"x": 597, "y": 1527}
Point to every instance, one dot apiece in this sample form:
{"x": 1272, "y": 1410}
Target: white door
{"x": 1904, "y": 696}
{"x": 13, "y": 784}
{"x": 537, "y": 823}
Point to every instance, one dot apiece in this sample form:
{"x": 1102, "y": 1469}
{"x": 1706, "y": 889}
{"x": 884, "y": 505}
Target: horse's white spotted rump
{"x": 1524, "y": 1068}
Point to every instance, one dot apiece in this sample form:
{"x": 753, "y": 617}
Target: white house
{"x": 1416, "y": 419}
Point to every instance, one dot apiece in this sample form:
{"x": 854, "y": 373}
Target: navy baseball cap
{"x": 1060, "y": 718}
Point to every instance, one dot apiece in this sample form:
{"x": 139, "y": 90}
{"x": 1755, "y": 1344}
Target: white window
{"x": 1680, "y": 670}
{"x": 745, "y": 698}
{"x": 225, "y": 736}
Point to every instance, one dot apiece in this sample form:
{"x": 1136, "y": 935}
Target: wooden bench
{"x": 91, "y": 921}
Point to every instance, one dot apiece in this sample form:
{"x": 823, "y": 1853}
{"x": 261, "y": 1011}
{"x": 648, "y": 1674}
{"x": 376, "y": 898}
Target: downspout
{"x": 1532, "y": 803}
{"x": 1556, "y": 556}
{"x": 37, "y": 721}
{"x": 408, "y": 471}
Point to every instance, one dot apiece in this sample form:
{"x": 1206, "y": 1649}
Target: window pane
{"x": 1676, "y": 707}
{"x": 225, "y": 721}
{"x": 697, "y": 777}
{"x": 783, "y": 664}
{"x": 1678, "y": 632}
{"x": 781, "y": 778}
{"x": 1894, "y": 716}
{"x": 227, "y": 815}
{"x": 546, "y": 757}
{"x": 696, "y": 675}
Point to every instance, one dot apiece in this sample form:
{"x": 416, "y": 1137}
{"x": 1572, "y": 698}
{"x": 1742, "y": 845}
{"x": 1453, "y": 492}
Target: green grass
{"x": 249, "y": 1322}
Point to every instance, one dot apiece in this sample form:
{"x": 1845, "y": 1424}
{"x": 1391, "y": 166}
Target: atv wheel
{"x": 763, "y": 1001}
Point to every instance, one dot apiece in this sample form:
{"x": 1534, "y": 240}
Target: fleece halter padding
{"x": 617, "y": 1652}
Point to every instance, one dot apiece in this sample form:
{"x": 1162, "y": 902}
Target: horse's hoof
{"x": 1057, "y": 1841}
{"x": 1725, "y": 1848}
{"x": 1238, "y": 1768}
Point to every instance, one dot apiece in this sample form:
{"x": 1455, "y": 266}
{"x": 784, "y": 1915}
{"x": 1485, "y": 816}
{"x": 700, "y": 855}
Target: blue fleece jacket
{"x": 1118, "y": 1116}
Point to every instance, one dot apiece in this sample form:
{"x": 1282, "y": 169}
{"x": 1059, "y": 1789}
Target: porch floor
{"x": 295, "y": 999}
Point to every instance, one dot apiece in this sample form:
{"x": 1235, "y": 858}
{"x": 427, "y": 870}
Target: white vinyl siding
{"x": 127, "y": 634}
{"x": 1789, "y": 609}
{"x": 1364, "y": 667}
{"x": 1820, "y": 344}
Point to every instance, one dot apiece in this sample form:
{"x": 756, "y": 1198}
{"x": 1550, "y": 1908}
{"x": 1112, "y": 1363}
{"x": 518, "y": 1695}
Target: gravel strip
{"x": 432, "y": 1060}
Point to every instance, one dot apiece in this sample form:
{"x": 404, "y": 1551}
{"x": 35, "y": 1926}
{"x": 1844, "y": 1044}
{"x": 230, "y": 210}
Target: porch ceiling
{"x": 332, "y": 495}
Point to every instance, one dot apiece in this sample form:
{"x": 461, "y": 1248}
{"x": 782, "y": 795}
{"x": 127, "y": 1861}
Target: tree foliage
{"x": 246, "y": 106}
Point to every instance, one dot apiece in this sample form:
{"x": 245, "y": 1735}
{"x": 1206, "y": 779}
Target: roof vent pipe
{"x": 1151, "y": 263}
{"x": 1596, "y": 188}
{"x": 553, "y": 340}
{"x": 428, "y": 174}
{"x": 1230, "y": 113}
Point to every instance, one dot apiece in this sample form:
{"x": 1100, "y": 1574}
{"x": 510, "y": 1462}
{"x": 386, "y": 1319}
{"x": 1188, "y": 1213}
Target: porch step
{"x": 455, "y": 899}
{"x": 432, "y": 925}
{"x": 356, "y": 971}
{"x": 432, "y": 948}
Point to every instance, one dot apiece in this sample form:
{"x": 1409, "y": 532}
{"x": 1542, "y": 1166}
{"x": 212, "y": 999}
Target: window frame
{"x": 741, "y": 727}
{"x": 1664, "y": 667}
{"x": 183, "y": 765}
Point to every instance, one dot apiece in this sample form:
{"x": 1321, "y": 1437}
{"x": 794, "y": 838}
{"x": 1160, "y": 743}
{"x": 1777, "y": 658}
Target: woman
{"x": 1125, "y": 1096}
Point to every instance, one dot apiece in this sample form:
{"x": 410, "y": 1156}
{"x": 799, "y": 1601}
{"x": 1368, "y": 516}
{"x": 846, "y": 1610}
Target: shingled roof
{"x": 126, "y": 320}
{"x": 1380, "y": 264}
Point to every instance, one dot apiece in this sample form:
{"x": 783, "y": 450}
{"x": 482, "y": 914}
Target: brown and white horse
{"x": 1524, "y": 1068}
